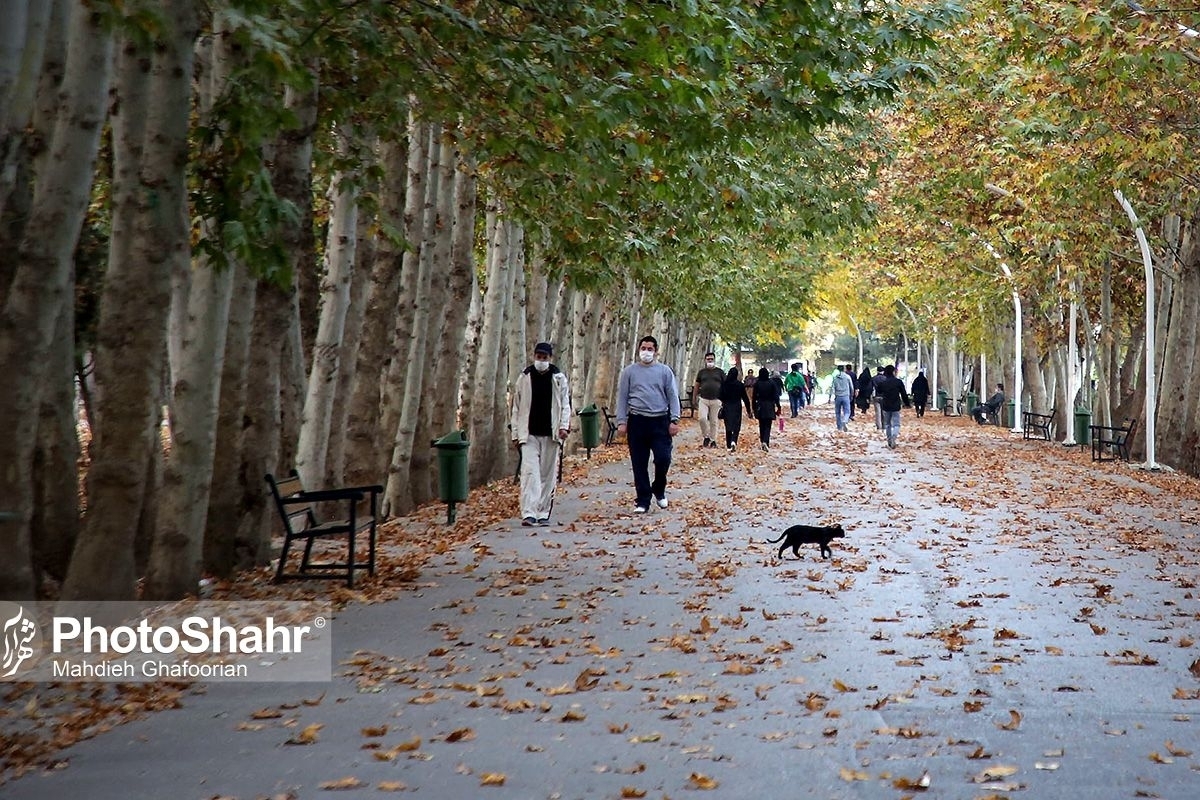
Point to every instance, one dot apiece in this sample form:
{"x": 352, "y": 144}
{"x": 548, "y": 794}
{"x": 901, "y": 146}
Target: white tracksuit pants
{"x": 539, "y": 474}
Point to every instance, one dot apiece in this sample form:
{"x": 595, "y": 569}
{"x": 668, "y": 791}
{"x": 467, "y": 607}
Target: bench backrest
{"x": 1122, "y": 436}
{"x": 296, "y": 516}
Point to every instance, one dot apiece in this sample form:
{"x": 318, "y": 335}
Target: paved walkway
{"x": 1003, "y": 616}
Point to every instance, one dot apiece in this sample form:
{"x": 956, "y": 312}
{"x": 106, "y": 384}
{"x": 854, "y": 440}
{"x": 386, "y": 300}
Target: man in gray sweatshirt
{"x": 648, "y": 416}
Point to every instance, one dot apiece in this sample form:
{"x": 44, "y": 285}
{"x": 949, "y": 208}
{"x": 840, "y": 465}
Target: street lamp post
{"x": 1151, "y": 380}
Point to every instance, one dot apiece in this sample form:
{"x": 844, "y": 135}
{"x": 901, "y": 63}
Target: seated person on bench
{"x": 992, "y": 406}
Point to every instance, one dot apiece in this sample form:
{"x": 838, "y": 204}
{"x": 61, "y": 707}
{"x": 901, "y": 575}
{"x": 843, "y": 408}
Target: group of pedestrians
{"x": 883, "y": 391}
{"x": 648, "y": 410}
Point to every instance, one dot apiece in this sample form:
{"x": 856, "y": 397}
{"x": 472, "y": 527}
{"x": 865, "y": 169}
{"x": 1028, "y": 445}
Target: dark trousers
{"x": 648, "y": 435}
{"x": 764, "y": 430}
{"x": 919, "y": 406}
{"x": 733, "y": 422}
{"x": 797, "y": 401}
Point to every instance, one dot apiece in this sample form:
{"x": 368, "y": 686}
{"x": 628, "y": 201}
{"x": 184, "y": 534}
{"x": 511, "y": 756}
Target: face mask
{"x": 709, "y": 363}
{"x": 646, "y": 356}
{"x": 541, "y": 366}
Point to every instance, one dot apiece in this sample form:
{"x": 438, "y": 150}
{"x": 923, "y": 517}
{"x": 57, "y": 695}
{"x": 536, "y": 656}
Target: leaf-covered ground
{"x": 1004, "y": 618}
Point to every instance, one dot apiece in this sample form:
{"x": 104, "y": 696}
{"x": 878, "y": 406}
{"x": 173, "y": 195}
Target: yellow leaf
{"x": 698, "y": 781}
{"x": 307, "y": 736}
{"x": 850, "y": 775}
{"x": 631, "y": 793}
{"x": 1178, "y": 752}
{"x": 492, "y": 779}
{"x": 379, "y": 731}
{"x": 349, "y": 782}
{"x": 995, "y": 773}
{"x": 391, "y": 786}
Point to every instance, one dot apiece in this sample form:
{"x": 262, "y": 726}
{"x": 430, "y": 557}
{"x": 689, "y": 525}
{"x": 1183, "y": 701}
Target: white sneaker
{"x": 662, "y": 501}
{"x": 640, "y": 509}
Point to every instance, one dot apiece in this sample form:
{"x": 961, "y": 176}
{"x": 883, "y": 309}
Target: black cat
{"x": 797, "y": 535}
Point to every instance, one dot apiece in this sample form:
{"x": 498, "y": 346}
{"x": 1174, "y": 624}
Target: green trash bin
{"x": 453, "y": 484}
{"x": 1010, "y": 413}
{"x": 1083, "y": 429}
{"x": 589, "y": 424}
{"x": 972, "y": 401}
{"x": 941, "y": 400}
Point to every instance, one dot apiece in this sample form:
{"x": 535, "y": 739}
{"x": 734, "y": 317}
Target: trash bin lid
{"x": 455, "y": 440}
{"x": 588, "y": 411}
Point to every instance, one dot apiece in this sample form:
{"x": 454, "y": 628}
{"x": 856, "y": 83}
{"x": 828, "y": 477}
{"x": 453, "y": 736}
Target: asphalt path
{"x": 1003, "y": 619}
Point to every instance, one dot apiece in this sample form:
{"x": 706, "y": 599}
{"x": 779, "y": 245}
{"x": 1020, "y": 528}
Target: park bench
{"x": 1110, "y": 443}
{"x": 688, "y": 404}
{"x": 952, "y": 407}
{"x": 1035, "y": 423}
{"x": 297, "y": 510}
{"x": 611, "y": 420}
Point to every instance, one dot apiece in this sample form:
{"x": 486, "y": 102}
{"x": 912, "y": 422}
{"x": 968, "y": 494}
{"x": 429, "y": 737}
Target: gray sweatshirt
{"x": 648, "y": 390}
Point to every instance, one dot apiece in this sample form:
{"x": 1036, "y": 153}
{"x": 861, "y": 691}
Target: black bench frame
{"x": 1033, "y": 422}
{"x": 611, "y": 420}
{"x": 300, "y": 523}
{"x": 688, "y": 404}
{"x": 1110, "y": 443}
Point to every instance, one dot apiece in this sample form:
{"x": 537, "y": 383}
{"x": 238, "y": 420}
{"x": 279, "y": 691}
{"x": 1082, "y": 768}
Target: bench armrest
{"x": 322, "y": 495}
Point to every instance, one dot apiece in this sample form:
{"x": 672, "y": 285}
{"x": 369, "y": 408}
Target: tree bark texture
{"x": 326, "y": 352}
{"x": 41, "y": 283}
{"x": 363, "y": 462}
{"x": 398, "y": 495}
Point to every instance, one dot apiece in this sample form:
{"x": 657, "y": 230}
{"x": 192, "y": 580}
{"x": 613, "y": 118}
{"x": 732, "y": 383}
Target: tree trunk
{"x": 364, "y": 259}
{"x": 394, "y": 399}
{"x": 461, "y": 295}
{"x": 229, "y": 483}
{"x": 31, "y": 46}
{"x": 487, "y": 388}
{"x": 56, "y": 459}
{"x": 398, "y": 495}
{"x": 441, "y": 401}
{"x": 363, "y": 460}
{"x": 41, "y": 284}
{"x": 335, "y": 302}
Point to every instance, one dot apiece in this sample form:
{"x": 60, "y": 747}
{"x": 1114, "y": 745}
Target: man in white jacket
{"x": 540, "y": 421}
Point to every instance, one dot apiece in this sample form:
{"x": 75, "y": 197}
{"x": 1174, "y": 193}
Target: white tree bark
{"x": 41, "y": 285}
{"x": 335, "y": 302}
{"x": 398, "y": 495}
{"x": 362, "y": 463}
{"x": 393, "y": 397}
{"x": 462, "y": 296}
{"x": 488, "y": 387}
{"x": 176, "y": 554}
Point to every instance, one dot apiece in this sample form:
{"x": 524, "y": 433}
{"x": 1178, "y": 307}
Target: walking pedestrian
{"x": 891, "y": 395}
{"x": 733, "y": 397}
{"x": 864, "y": 389}
{"x": 708, "y": 389}
{"x": 843, "y": 392}
{"x": 920, "y": 392}
{"x": 648, "y": 415}
{"x": 875, "y": 382}
{"x": 794, "y": 383}
{"x": 540, "y": 420}
{"x": 766, "y": 406}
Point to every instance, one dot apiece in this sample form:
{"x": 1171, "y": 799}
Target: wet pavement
{"x": 1003, "y": 619}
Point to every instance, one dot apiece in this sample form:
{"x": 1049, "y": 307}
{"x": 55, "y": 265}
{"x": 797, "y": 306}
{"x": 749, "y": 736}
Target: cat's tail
{"x": 780, "y": 539}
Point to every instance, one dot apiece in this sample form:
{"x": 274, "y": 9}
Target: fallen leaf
{"x": 492, "y": 779}
{"x": 995, "y": 773}
{"x": 850, "y": 775}
{"x": 1159, "y": 759}
{"x": 266, "y": 713}
{"x": 460, "y": 735}
{"x": 699, "y": 781}
{"x": 1013, "y": 723}
{"x": 1178, "y": 752}
{"x": 349, "y": 782}
{"x": 307, "y": 736}
{"x": 630, "y": 793}
{"x": 391, "y": 786}
{"x": 378, "y": 731}
{"x": 919, "y": 785}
